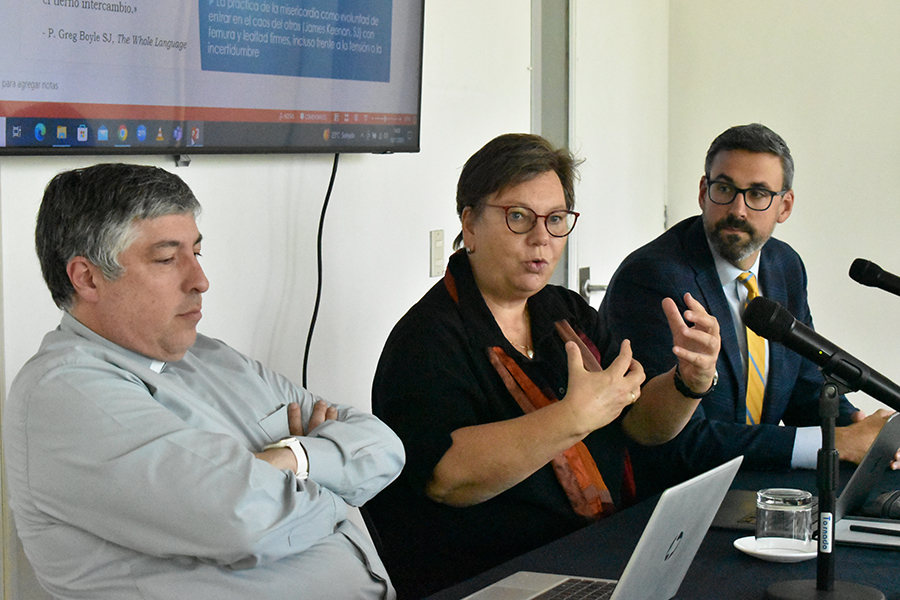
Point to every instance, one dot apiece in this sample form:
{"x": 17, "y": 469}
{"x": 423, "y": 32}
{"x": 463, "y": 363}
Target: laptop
{"x": 659, "y": 562}
{"x": 738, "y": 509}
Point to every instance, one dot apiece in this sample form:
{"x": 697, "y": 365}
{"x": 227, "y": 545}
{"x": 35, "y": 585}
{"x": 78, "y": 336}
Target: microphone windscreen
{"x": 768, "y": 319}
{"x": 865, "y": 272}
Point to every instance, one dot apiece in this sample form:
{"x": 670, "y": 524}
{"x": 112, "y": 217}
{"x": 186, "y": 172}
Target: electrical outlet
{"x": 437, "y": 253}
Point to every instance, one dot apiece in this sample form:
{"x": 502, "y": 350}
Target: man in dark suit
{"x": 745, "y": 192}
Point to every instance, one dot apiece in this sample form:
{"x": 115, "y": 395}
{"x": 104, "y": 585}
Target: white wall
{"x": 619, "y": 112}
{"x": 825, "y": 74}
{"x": 261, "y": 214}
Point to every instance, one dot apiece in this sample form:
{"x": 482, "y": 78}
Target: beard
{"x": 730, "y": 246}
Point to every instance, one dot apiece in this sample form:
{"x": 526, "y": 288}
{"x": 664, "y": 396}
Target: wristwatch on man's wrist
{"x": 684, "y": 390}
{"x": 299, "y": 451}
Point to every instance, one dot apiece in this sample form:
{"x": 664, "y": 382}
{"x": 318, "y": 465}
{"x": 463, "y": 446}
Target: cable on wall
{"x": 315, "y": 314}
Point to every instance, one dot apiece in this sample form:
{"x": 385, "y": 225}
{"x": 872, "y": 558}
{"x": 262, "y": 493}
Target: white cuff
{"x": 807, "y": 442}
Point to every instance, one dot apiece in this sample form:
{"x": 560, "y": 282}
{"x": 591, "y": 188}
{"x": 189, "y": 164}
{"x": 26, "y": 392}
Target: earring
{"x": 469, "y": 250}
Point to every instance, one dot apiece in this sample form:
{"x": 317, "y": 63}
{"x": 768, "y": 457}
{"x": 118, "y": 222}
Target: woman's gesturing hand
{"x": 598, "y": 397}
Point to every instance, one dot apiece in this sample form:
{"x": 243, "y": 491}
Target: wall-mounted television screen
{"x": 210, "y": 76}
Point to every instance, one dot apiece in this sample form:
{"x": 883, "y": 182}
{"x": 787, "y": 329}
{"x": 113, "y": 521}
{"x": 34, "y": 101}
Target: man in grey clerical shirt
{"x": 147, "y": 461}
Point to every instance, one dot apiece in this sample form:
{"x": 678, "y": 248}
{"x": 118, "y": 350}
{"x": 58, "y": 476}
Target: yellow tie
{"x": 756, "y": 356}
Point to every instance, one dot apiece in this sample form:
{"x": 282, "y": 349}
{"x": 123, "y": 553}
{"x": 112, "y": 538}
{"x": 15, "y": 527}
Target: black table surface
{"x": 719, "y": 570}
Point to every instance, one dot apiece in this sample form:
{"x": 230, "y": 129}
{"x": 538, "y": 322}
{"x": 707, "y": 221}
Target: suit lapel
{"x": 707, "y": 280}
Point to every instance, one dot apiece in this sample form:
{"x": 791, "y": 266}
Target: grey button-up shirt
{"x": 129, "y": 478}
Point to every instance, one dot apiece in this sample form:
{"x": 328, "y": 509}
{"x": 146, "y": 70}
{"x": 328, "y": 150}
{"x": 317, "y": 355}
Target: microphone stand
{"x": 825, "y": 587}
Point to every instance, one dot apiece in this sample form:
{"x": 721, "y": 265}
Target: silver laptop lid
{"x": 876, "y": 462}
{"x": 666, "y": 549}
{"x": 673, "y": 534}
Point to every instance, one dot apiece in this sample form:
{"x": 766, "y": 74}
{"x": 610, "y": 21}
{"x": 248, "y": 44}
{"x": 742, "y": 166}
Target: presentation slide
{"x": 284, "y": 38}
{"x": 325, "y": 62}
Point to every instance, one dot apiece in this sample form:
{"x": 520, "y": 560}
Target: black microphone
{"x": 775, "y": 323}
{"x": 868, "y": 273}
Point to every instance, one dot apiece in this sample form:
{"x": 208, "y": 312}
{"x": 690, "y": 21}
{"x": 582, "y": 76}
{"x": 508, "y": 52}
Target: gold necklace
{"x": 529, "y": 352}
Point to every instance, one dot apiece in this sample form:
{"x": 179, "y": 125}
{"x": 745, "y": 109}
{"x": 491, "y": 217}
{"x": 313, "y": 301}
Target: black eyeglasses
{"x": 756, "y": 198}
{"x": 520, "y": 219}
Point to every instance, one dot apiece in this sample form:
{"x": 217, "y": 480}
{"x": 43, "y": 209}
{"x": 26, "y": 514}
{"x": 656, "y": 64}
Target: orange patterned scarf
{"x": 575, "y": 468}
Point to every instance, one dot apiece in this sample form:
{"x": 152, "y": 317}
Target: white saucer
{"x": 777, "y": 549}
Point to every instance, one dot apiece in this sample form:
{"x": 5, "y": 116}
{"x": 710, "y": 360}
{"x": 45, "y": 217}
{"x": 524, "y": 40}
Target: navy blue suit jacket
{"x": 680, "y": 261}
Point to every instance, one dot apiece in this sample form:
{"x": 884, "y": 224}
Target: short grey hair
{"x": 91, "y": 212}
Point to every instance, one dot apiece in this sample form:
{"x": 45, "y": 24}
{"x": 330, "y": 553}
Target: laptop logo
{"x": 674, "y": 545}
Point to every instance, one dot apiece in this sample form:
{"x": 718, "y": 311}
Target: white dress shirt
{"x": 807, "y": 440}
